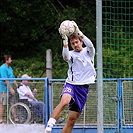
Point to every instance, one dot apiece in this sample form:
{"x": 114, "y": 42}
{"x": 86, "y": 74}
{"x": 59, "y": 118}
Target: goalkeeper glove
{"x": 64, "y": 38}
{"x": 77, "y": 31}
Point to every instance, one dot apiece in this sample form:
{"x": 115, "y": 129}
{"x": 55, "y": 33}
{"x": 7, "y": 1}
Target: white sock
{"x": 51, "y": 122}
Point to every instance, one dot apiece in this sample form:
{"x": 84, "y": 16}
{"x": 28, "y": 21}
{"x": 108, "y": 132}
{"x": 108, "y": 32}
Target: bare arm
{"x": 16, "y": 84}
{"x": 10, "y": 87}
{"x": 34, "y": 91}
{"x": 30, "y": 96}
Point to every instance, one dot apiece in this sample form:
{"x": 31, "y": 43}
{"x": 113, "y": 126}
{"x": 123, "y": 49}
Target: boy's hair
{"x": 74, "y": 36}
{"x": 6, "y": 57}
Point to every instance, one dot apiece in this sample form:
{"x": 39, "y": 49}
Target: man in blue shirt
{"x": 6, "y": 86}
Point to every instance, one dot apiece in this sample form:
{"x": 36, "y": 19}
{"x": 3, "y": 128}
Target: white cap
{"x": 25, "y": 76}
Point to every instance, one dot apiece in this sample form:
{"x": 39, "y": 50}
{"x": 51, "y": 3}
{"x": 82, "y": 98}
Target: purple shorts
{"x": 79, "y": 95}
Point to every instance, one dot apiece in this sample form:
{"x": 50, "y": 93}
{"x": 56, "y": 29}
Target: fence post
{"x": 49, "y": 76}
{"x": 99, "y": 66}
{"x": 119, "y": 117}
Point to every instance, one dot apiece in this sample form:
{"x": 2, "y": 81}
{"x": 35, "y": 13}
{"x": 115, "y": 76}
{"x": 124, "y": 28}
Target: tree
{"x": 29, "y": 28}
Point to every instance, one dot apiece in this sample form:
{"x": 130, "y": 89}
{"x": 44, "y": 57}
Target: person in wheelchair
{"x": 25, "y": 92}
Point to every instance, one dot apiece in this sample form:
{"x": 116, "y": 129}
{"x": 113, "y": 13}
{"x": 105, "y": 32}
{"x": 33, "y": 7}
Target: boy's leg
{"x": 57, "y": 112}
{"x": 1, "y": 113}
{"x": 3, "y": 102}
{"x": 71, "y": 120}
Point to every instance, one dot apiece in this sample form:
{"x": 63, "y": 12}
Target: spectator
{"x": 26, "y": 93}
{"x": 6, "y": 86}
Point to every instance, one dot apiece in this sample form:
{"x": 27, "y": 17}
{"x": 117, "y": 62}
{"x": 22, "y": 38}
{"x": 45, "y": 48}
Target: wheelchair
{"x": 24, "y": 112}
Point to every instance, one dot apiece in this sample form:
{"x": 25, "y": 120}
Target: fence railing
{"x": 117, "y": 105}
{"x": 117, "y": 109}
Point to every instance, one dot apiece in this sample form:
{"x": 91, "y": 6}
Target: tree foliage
{"x": 29, "y": 28}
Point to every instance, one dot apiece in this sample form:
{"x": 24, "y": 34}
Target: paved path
{"x": 20, "y": 128}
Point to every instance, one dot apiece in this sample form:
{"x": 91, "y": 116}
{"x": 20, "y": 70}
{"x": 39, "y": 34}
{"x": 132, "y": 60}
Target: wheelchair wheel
{"x": 22, "y": 111}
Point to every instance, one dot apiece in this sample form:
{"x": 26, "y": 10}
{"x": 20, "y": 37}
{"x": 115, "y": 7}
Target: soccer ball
{"x": 66, "y": 27}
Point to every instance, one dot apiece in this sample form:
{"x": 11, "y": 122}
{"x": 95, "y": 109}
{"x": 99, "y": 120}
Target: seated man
{"x": 26, "y": 93}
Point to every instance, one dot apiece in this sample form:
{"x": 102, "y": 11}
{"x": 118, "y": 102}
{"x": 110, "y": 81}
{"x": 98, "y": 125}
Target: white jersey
{"x": 22, "y": 90}
{"x": 81, "y": 64}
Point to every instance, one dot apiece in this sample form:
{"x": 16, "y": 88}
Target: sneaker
{"x": 48, "y": 129}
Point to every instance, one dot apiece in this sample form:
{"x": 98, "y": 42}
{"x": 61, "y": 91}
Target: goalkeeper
{"x": 81, "y": 73}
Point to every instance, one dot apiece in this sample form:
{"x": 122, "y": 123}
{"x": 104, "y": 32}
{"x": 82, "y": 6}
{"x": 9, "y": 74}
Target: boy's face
{"x": 9, "y": 61}
{"x": 76, "y": 44}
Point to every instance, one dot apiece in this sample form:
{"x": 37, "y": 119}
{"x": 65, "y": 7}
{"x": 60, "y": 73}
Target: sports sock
{"x": 51, "y": 122}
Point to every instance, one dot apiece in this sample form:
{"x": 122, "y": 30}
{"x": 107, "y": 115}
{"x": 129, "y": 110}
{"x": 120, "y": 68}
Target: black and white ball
{"x": 67, "y": 28}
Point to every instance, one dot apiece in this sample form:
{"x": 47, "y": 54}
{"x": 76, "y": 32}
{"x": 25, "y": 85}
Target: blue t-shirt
{"x": 5, "y": 72}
